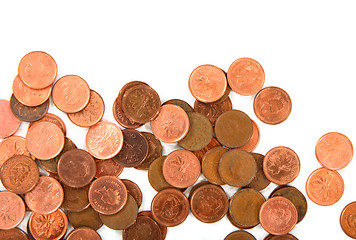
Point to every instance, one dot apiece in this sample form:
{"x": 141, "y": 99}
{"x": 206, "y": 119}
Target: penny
{"x": 183, "y": 104}
{"x": 209, "y": 203}
{"x": 108, "y": 167}
{"x": 37, "y": 70}
{"x": 233, "y": 129}
{"x": 207, "y": 83}
{"x": 91, "y": 114}
{"x": 348, "y": 220}
{"x": 240, "y": 235}
{"x": 11, "y": 146}
{"x": 19, "y": 174}
{"x": 149, "y": 214}
{"x": 144, "y": 228}
{"x": 29, "y": 232}
{"x": 155, "y": 175}
{"x": 170, "y": 207}
{"x": 76, "y": 168}
{"x": 213, "y": 110}
{"x": 134, "y": 190}
{"x": 259, "y": 182}
{"x": 212, "y": 144}
{"x": 107, "y": 195}
{"x": 45, "y": 140}
{"x": 46, "y": 197}
{"x": 49, "y": 117}
{"x": 75, "y": 199}
{"x": 12, "y": 210}
{"x": 71, "y": 94}
{"x": 237, "y": 168}
{"x": 121, "y": 117}
{"x": 181, "y": 168}
{"x": 232, "y": 221}
{"x": 124, "y": 218}
{"x": 155, "y": 150}
{"x": 9, "y": 123}
{"x": 127, "y": 86}
{"x": 195, "y": 187}
{"x": 13, "y": 234}
{"x": 283, "y": 237}
{"x": 104, "y": 140}
{"x": 83, "y": 233}
{"x": 26, "y": 113}
{"x": 325, "y": 187}
{"x": 226, "y": 95}
{"x": 281, "y": 165}
{"x": 272, "y": 105}
{"x": 86, "y": 218}
{"x": 134, "y": 150}
{"x": 210, "y": 165}
{"x": 246, "y": 76}
{"x": 254, "y": 140}
{"x": 334, "y": 151}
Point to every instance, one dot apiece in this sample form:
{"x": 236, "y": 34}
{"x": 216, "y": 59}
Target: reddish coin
{"x": 14, "y": 145}
{"x": 213, "y": 110}
{"x": 83, "y": 233}
{"x": 134, "y": 190}
{"x": 212, "y": 144}
{"x": 144, "y": 228}
{"x": 240, "y": 235}
{"x": 121, "y": 118}
{"x": 12, "y": 210}
{"x": 75, "y": 199}
{"x": 155, "y": 150}
{"x": 49, "y": 117}
{"x": 348, "y": 220}
{"x": 26, "y": 113}
{"x": 13, "y": 234}
{"x": 108, "y": 167}
{"x": 254, "y": 140}
{"x": 8, "y": 121}
{"x": 155, "y": 175}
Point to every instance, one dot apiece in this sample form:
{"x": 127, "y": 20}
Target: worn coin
{"x": 259, "y": 182}
{"x": 13, "y": 234}
{"x": 26, "y": 113}
{"x": 49, "y": 117}
{"x": 12, "y": 210}
{"x": 86, "y": 218}
{"x": 155, "y": 175}
{"x": 254, "y": 140}
{"x": 121, "y": 118}
{"x": 287, "y": 236}
{"x": 11, "y": 146}
{"x": 134, "y": 190}
{"x": 183, "y": 104}
{"x": 108, "y": 167}
{"x": 9, "y": 123}
{"x": 75, "y": 199}
{"x": 195, "y": 187}
{"x": 213, "y": 110}
{"x": 155, "y": 150}
{"x": 83, "y": 233}
{"x": 144, "y": 228}
{"x": 210, "y": 165}
{"x": 212, "y": 144}
{"x": 348, "y": 220}
{"x": 149, "y": 214}
{"x": 240, "y": 235}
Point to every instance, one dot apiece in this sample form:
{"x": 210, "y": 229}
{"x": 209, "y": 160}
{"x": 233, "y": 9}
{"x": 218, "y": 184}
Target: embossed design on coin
{"x": 348, "y": 220}
{"x": 155, "y": 150}
{"x": 121, "y": 117}
{"x": 11, "y": 146}
{"x": 12, "y": 210}
{"x": 49, "y": 117}
{"x": 108, "y": 167}
{"x": 144, "y": 228}
{"x": 213, "y": 110}
{"x": 9, "y": 123}
{"x": 26, "y": 113}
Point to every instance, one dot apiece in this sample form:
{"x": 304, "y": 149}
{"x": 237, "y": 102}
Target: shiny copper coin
{"x": 76, "y": 168}
{"x": 281, "y": 165}
{"x": 233, "y": 129}
{"x": 213, "y": 110}
{"x": 26, "y": 113}
{"x": 149, "y": 214}
{"x": 134, "y": 190}
{"x": 49, "y": 117}
{"x": 155, "y": 175}
{"x": 83, "y": 233}
{"x": 210, "y": 165}
{"x": 195, "y": 187}
{"x": 207, "y": 83}
{"x": 181, "y": 168}
{"x": 19, "y": 174}
{"x": 272, "y": 105}
{"x": 199, "y": 134}
{"x": 325, "y": 187}
{"x": 13, "y": 234}
{"x": 240, "y": 235}
{"x": 11, "y": 146}
{"x": 108, "y": 167}
{"x": 37, "y": 70}
{"x": 170, "y": 207}
{"x": 12, "y": 210}
{"x": 71, "y": 94}
{"x": 104, "y": 140}
{"x": 254, "y": 140}
{"x": 9, "y": 123}
{"x": 134, "y": 150}
{"x": 86, "y": 218}
{"x": 144, "y": 228}
{"x": 155, "y": 150}
{"x": 91, "y": 114}
{"x": 171, "y": 125}
{"x": 259, "y": 182}
{"x": 212, "y": 144}
{"x": 46, "y": 197}
{"x": 237, "y": 168}
{"x": 75, "y": 199}
{"x": 107, "y": 195}
{"x": 348, "y": 220}
{"x": 121, "y": 118}
{"x": 183, "y": 104}
{"x": 334, "y": 151}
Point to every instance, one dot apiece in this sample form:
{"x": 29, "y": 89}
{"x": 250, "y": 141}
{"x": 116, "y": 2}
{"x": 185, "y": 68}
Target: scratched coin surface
{"x": 259, "y": 182}
{"x": 155, "y": 175}
{"x": 108, "y": 167}
{"x": 86, "y": 218}
{"x": 212, "y": 144}
{"x": 240, "y": 235}
{"x": 348, "y": 220}
{"x": 213, "y": 110}
{"x": 49, "y": 117}
{"x": 134, "y": 190}
{"x": 144, "y": 228}
{"x": 13, "y": 234}
{"x": 12, "y": 210}
{"x": 75, "y": 199}
{"x": 14, "y": 145}
{"x": 26, "y": 113}
{"x": 155, "y": 150}
{"x": 9, "y": 123}
{"x": 254, "y": 140}
{"x": 181, "y": 103}
{"x": 121, "y": 117}
{"x": 210, "y": 165}
{"x": 83, "y": 233}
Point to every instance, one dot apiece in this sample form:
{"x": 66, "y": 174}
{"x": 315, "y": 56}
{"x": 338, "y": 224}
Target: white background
{"x": 307, "y": 48}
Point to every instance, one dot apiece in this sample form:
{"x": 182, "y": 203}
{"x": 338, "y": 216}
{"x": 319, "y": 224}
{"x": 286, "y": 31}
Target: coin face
{"x": 9, "y": 123}
{"x": 134, "y": 190}
{"x": 240, "y": 235}
{"x": 259, "y": 182}
{"x": 26, "y": 113}
{"x": 155, "y": 150}
{"x": 210, "y": 165}
{"x": 144, "y": 228}
{"x": 121, "y": 117}
{"x": 12, "y": 210}
{"x": 287, "y": 236}
{"x": 13, "y": 234}
{"x": 11, "y": 146}
{"x": 83, "y": 233}
{"x": 254, "y": 140}
{"x": 183, "y": 104}
{"x": 212, "y": 144}
{"x": 49, "y": 117}
{"x": 213, "y": 110}
{"x": 348, "y": 220}
{"x": 162, "y": 228}
{"x": 155, "y": 175}
{"x": 108, "y": 167}
{"x": 86, "y": 218}
{"x": 75, "y": 199}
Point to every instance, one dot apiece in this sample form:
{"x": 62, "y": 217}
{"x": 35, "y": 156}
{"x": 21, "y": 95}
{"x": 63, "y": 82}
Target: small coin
{"x": 49, "y": 117}
{"x": 212, "y": 144}
{"x": 83, "y": 233}
{"x": 287, "y": 236}
{"x": 121, "y": 118}
{"x": 207, "y": 83}
{"x": 11, "y": 146}
{"x": 149, "y": 214}
{"x": 86, "y": 218}
{"x": 155, "y": 150}
{"x": 226, "y": 95}
{"x": 108, "y": 167}
{"x": 134, "y": 190}
{"x": 144, "y": 228}
{"x": 347, "y": 220}
{"x": 12, "y": 210}
{"x": 213, "y": 110}
{"x": 26, "y": 113}
{"x": 334, "y": 151}
{"x": 13, "y": 234}
{"x": 210, "y": 165}
{"x": 240, "y": 235}
{"x": 254, "y": 140}
{"x": 29, "y": 232}
{"x": 9, "y": 123}
{"x": 155, "y": 175}
{"x": 195, "y": 187}
{"x": 259, "y": 182}
{"x": 75, "y": 199}
{"x": 183, "y": 104}
{"x": 233, "y": 129}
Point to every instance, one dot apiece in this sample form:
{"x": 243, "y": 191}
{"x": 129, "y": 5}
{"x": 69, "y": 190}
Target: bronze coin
{"x": 226, "y": 95}
{"x": 183, "y": 104}
{"x": 213, "y": 110}
{"x": 233, "y": 128}
{"x": 155, "y": 175}
{"x": 107, "y": 195}
{"x": 259, "y": 182}
{"x": 170, "y": 207}
{"x": 9, "y": 123}
{"x": 240, "y": 235}
{"x": 124, "y": 218}
{"x": 121, "y": 118}
{"x": 26, "y": 113}
{"x": 134, "y": 190}
{"x": 13, "y": 234}
{"x": 348, "y": 220}
{"x": 254, "y": 140}
{"x": 144, "y": 228}
{"x": 75, "y": 199}
{"x": 49, "y": 117}
{"x": 155, "y": 150}
{"x": 237, "y": 168}
{"x": 108, "y": 167}
{"x": 11, "y": 146}
{"x": 195, "y": 187}
{"x": 83, "y": 233}
{"x": 149, "y": 214}
{"x": 76, "y": 168}
{"x": 210, "y": 165}
{"x": 287, "y": 236}
{"x": 29, "y": 232}
{"x": 212, "y": 144}
{"x": 19, "y": 174}
{"x": 12, "y": 210}
{"x": 86, "y": 218}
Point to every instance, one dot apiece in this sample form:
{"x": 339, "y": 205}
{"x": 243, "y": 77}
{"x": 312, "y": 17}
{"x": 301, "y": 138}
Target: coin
{"x": 155, "y": 150}
{"x": 272, "y": 105}
{"x": 240, "y": 235}
{"x": 26, "y": 113}
{"x": 210, "y": 165}
{"x": 183, "y": 104}
{"x": 108, "y": 167}
{"x": 212, "y": 144}
{"x": 213, "y": 110}
{"x": 134, "y": 190}
{"x": 155, "y": 175}
{"x": 12, "y": 210}
{"x": 347, "y": 220}
{"x": 13, "y": 234}
{"x": 75, "y": 199}
{"x": 254, "y": 140}
{"x": 86, "y": 218}
{"x": 144, "y": 228}
{"x": 9, "y": 123}
{"x": 83, "y": 233}
{"x": 149, "y": 214}
{"x": 334, "y": 151}
{"x": 233, "y": 129}
{"x": 207, "y": 83}
{"x": 11, "y": 146}
{"x": 325, "y": 187}
{"x": 259, "y": 182}
{"x": 49, "y": 117}
{"x": 287, "y": 236}
{"x": 30, "y": 237}
{"x": 121, "y": 117}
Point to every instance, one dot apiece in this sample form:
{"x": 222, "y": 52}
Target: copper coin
{"x": 108, "y": 167}
{"x": 49, "y": 117}
{"x": 237, "y": 168}
{"x": 37, "y": 70}
{"x": 71, "y": 94}
{"x": 171, "y": 125}
{"x": 14, "y": 145}
{"x": 226, "y": 95}
{"x": 134, "y": 190}
{"x": 246, "y": 76}
{"x": 233, "y": 129}
{"x": 149, "y": 214}
{"x": 183, "y": 104}
{"x": 240, "y": 235}
{"x": 75, "y": 199}
{"x": 76, "y": 168}
{"x": 210, "y": 165}
{"x": 104, "y": 140}
{"x": 181, "y": 168}
{"x": 19, "y": 174}
{"x": 107, "y": 195}
{"x": 281, "y": 165}
{"x": 83, "y": 233}
{"x": 272, "y": 105}
{"x": 46, "y": 197}
{"x": 127, "y": 86}
{"x": 287, "y": 236}
{"x": 209, "y": 203}
{"x": 144, "y": 228}
{"x": 325, "y": 187}
{"x": 212, "y": 144}
{"x": 254, "y": 140}
{"x": 155, "y": 175}
{"x": 195, "y": 187}
{"x": 348, "y": 220}
{"x": 121, "y": 118}
{"x": 124, "y": 218}
{"x": 213, "y": 110}
{"x": 134, "y": 150}
{"x": 259, "y": 182}
{"x": 50, "y": 226}
{"x": 170, "y": 207}
{"x": 45, "y": 140}
{"x": 86, "y": 218}
{"x": 207, "y": 83}
{"x": 29, "y": 232}
{"x": 9, "y": 123}
{"x": 12, "y": 210}
{"x": 334, "y": 151}
{"x": 91, "y": 114}
{"x": 13, "y": 234}
{"x": 199, "y": 134}
{"x": 155, "y": 150}
{"x": 26, "y": 113}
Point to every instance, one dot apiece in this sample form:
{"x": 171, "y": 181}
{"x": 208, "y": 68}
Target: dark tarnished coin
{"x": 240, "y": 235}
{"x": 86, "y": 218}
{"x": 134, "y": 190}
{"x": 233, "y": 128}
{"x": 75, "y": 199}
{"x": 287, "y": 236}
{"x": 155, "y": 150}
{"x": 348, "y": 220}
{"x": 183, "y": 104}
{"x": 13, "y": 234}
{"x": 144, "y": 228}
{"x": 83, "y": 233}
{"x": 213, "y": 143}
{"x": 210, "y": 165}
{"x": 26, "y": 113}
{"x": 213, "y": 110}
{"x": 199, "y": 134}
{"x": 149, "y": 214}
{"x": 108, "y": 167}
{"x": 254, "y": 140}
{"x": 121, "y": 118}
{"x": 259, "y": 182}
{"x": 155, "y": 175}
{"x": 49, "y": 117}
